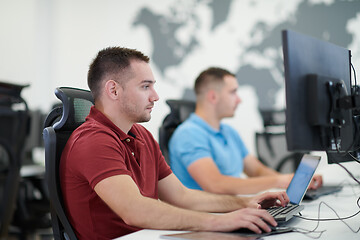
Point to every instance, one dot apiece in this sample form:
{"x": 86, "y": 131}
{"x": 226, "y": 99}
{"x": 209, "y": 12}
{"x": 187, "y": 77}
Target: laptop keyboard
{"x": 284, "y": 213}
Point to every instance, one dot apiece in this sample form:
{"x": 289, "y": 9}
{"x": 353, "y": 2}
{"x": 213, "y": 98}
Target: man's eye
{"x": 146, "y": 87}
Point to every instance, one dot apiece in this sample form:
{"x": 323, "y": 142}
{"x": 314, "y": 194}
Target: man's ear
{"x": 212, "y": 96}
{"x": 112, "y": 89}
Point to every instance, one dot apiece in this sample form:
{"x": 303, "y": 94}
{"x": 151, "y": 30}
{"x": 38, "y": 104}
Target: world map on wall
{"x": 327, "y": 21}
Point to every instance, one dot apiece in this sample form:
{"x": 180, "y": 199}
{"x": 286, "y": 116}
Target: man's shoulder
{"x": 93, "y": 133}
{"x": 189, "y": 126}
{"x": 227, "y": 127}
{"x": 189, "y": 131}
{"x": 139, "y": 129}
{"x": 230, "y": 132}
{"x": 91, "y": 126}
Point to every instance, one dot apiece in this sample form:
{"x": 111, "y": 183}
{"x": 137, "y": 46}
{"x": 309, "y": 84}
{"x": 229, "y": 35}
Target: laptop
{"x": 312, "y": 194}
{"x": 297, "y": 189}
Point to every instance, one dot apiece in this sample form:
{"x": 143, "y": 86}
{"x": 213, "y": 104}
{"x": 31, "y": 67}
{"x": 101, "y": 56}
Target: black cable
{"x": 352, "y": 66}
{"x": 351, "y": 175}
{"x": 333, "y": 219}
{"x": 318, "y": 220}
{"x": 355, "y": 140}
{"x": 353, "y": 157}
{"x": 357, "y": 129}
{"x": 307, "y": 232}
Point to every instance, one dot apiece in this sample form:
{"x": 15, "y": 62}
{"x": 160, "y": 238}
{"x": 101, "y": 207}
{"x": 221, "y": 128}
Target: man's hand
{"x": 316, "y": 182}
{"x": 256, "y": 220}
{"x": 269, "y": 199}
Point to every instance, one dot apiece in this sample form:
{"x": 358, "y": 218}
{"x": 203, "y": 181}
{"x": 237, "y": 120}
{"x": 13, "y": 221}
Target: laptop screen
{"x": 302, "y": 178}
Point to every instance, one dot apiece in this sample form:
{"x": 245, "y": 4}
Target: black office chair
{"x": 32, "y": 215}
{"x": 13, "y": 121}
{"x": 76, "y": 106}
{"x": 272, "y": 150}
{"x": 179, "y": 112}
{"x": 271, "y": 146}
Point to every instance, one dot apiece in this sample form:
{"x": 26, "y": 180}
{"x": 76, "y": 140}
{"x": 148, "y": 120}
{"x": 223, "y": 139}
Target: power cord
{"x": 308, "y": 232}
{"x": 318, "y": 220}
{"x": 353, "y": 68}
{"x": 350, "y": 174}
{"x": 353, "y": 157}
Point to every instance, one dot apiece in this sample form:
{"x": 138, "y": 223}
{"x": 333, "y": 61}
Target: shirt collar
{"x": 198, "y": 120}
{"x": 98, "y": 116}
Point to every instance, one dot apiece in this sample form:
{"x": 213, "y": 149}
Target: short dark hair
{"x": 208, "y": 76}
{"x": 110, "y": 63}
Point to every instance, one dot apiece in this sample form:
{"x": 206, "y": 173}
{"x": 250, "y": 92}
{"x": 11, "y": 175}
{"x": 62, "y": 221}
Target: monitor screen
{"x": 317, "y": 74}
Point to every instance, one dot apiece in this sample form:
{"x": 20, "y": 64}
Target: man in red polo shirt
{"x": 113, "y": 176}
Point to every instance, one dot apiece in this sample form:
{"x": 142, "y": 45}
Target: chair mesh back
{"x": 272, "y": 117}
{"x": 272, "y": 151}
{"x": 76, "y": 106}
{"x": 271, "y": 144}
{"x": 179, "y": 112}
{"x": 81, "y": 109}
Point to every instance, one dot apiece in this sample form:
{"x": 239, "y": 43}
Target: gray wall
{"x": 50, "y": 43}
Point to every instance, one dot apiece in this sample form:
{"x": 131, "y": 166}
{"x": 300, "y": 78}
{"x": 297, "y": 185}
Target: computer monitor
{"x": 317, "y": 76}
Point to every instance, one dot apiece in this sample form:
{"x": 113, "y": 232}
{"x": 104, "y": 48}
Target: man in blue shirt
{"x": 210, "y": 155}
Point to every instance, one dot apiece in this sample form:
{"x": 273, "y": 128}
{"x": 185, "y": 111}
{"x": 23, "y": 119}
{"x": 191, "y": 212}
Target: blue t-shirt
{"x": 195, "y": 139}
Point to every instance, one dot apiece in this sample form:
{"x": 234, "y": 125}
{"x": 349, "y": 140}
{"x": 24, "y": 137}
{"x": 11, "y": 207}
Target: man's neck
{"x": 209, "y": 117}
{"x": 115, "y": 118}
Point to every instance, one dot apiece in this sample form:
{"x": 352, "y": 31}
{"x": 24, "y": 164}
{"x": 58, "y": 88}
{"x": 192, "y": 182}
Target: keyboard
{"x": 283, "y": 214}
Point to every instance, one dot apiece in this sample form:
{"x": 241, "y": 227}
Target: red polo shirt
{"x": 98, "y": 150}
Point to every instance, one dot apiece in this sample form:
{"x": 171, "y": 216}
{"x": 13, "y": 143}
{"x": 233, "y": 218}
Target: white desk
{"x": 343, "y": 202}
{"x": 32, "y": 170}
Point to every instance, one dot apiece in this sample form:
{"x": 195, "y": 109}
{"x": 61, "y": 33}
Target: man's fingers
{"x": 259, "y": 220}
{"x": 274, "y": 199}
{"x": 284, "y": 199}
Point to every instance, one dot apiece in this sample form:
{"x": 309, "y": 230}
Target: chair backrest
{"x": 13, "y": 130}
{"x": 179, "y": 112}
{"x": 271, "y": 146}
{"x": 272, "y": 117}
{"x": 272, "y": 150}
{"x": 76, "y": 106}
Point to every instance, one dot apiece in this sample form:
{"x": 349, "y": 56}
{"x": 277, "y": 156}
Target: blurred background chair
{"x": 13, "y": 121}
{"x": 271, "y": 146}
{"x": 179, "y": 112}
{"x": 32, "y": 215}
{"x": 59, "y": 125}
{"x": 25, "y": 206}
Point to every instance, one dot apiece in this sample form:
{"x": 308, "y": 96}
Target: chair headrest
{"x": 76, "y": 106}
{"x": 182, "y": 108}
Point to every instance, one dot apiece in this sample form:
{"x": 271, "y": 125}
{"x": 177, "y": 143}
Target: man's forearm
{"x": 144, "y": 212}
{"x": 252, "y": 185}
{"x": 210, "y": 202}
{"x": 175, "y": 193}
{"x": 155, "y": 214}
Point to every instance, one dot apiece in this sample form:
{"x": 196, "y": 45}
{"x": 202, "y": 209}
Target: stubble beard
{"x": 136, "y": 116}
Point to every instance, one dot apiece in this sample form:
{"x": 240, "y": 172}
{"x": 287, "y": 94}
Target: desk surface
{"x": 32, "y": 170}
{"x": 344, "y": 203}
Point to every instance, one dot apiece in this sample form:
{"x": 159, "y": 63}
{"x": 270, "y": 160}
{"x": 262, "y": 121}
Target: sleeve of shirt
{"x": 189, "y": 145}
{"x": 164, "y": 168}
